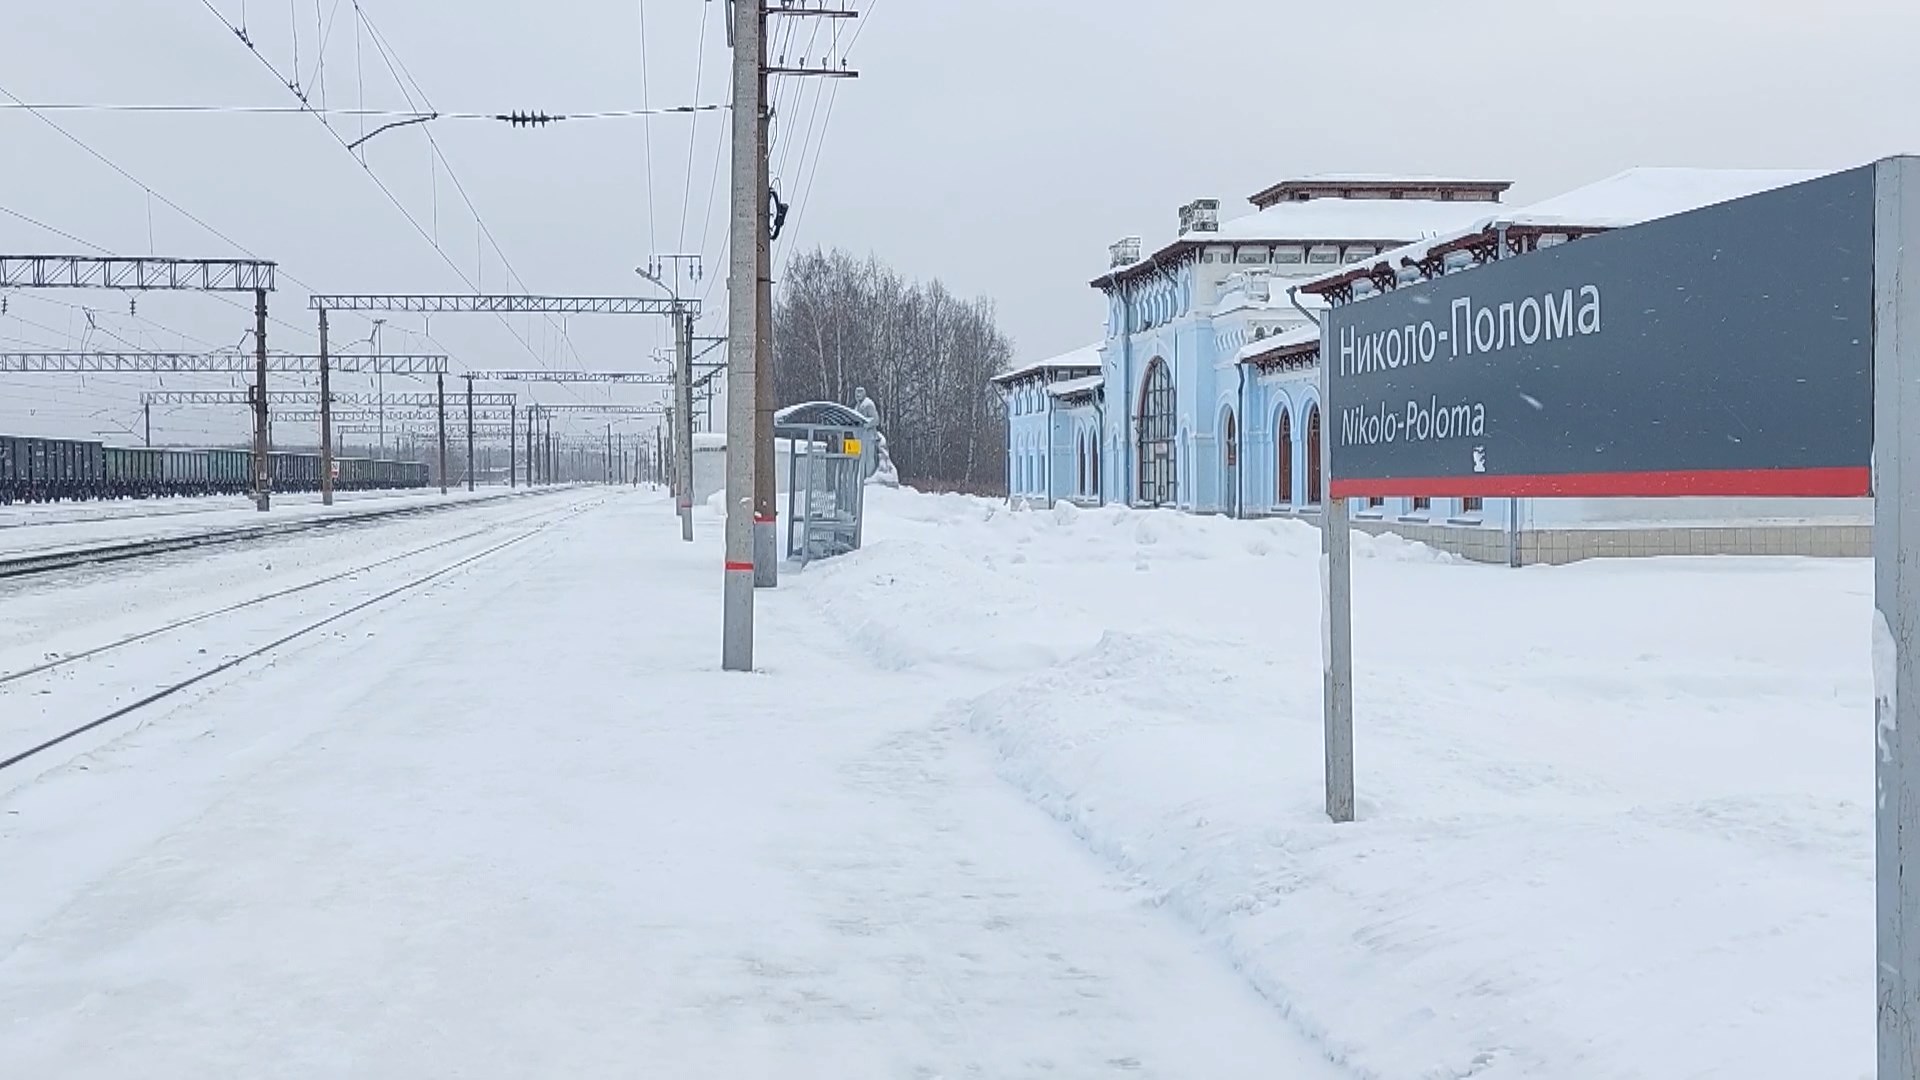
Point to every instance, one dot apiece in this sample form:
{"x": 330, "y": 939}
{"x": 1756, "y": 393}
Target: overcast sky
{"x": 998, "y": 144}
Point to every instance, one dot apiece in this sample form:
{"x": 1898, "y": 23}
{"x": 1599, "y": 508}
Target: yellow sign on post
{"x": 851, "y": 446}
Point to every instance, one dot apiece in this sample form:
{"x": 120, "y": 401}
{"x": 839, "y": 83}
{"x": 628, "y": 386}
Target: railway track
{"x": 66, "y": 732}
{"x": 87, "y": 513}
{"x": 33, "y": 563}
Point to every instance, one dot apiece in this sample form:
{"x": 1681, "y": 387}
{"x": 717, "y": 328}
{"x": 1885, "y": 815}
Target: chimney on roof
{"x": 1200, "y": 215}
{"x": 1124, "y": 252}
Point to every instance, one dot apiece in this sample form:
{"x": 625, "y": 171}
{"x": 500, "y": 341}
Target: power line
{"x": 152, "y": 194}
{"x": 713, "y": 189}
{"x": 64, "y": 234}
{"x": 693, "y": 130}
{"x": 394, "y": 61}
{"x": 646, "y": 136}
{"x": 833, "y": 95}
{"x": 368, "y": 170}
{"x": 521, "y": 118}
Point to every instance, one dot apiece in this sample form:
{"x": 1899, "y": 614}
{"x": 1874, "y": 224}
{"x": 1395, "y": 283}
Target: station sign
{"x": 1724, "y": 351}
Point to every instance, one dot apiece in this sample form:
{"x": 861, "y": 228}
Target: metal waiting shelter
{"x": 829, "y": 450}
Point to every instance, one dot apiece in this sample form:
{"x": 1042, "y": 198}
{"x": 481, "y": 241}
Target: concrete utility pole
{"x": 262, "y": 475}
{"x": 326, "y": 419}
{"x": 533, "y": 460}
{"x": 513, "y": 450}
{"x": 751, "y": 543}
{"x": 146, "y": 413}
{"x": 683, "y": 422}
{"x": 766, "y": 561}
{"x": 743, "y": 333}
{"x": 470, "y": 433}
{"x": 380, "y": 386}
{"x": 682, "y": 377}
{"x": 440, "y": 387}
{"x": 607, "y": 473}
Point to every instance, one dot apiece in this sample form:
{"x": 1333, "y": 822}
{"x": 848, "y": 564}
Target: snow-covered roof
{"x": 1402, "y": 179}
{"x": 819, "y": 414}
{"x": 1070, "y": 387}
{"x": 1349, "y": 185}
{"x": 1347, "y": 219}
{"x": 1087, "y": 356}
{"x": 1306, "y": 334}
{"x": 1384, "y": 220}
{"x": 1626, "y": 198}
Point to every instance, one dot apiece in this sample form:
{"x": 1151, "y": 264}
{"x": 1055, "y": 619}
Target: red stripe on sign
{"x": 1837, "y": 482}
{"x": 739, "y": 568}
{"x": 764, "y": 519}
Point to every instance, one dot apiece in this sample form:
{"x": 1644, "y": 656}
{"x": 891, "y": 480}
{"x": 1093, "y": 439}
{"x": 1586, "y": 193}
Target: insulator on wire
{"x": 528, "y": 119}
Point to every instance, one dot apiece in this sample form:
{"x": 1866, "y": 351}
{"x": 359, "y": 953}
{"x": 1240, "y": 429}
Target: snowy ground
{"x": 1616, "y": 817}
{"x": 55, "y": 526}
{"x": 1017, "y": 794}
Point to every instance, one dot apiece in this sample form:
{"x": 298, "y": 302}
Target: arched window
{"x": 1313, "y": 455}
{"x": 1229, "y": 461}
{"x": 1080, "y": 465}
{"x": 1283, "y": 459}
{"x": 1157, "y": 483}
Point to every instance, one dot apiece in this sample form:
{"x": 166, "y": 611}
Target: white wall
{"x": 710, "y": 465}
{"x": 1554, "y": 513}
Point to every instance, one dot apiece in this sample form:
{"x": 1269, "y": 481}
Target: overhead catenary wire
{"x": 803, "y": 198}
{"x": 397, "y": 67}
{"x": 693, "y": 130}
{"x": 153, "y": 193}
{"x": 516, "y": 118}
{"x": 384, "y": 189}
{"x": 646, "y": 132}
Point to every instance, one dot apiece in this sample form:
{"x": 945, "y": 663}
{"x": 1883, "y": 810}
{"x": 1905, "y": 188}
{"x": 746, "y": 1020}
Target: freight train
{"x": 51, "y": 470}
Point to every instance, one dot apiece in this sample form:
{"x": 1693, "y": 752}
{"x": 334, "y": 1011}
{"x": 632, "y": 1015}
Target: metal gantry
{"x": 495, "y": 303}
{"x": 185, "y": 275}
{"x": 591, "y": 409}
{"x": 502, "y": 303}
{"x": 541, "y": 376}
{"x": 165, "y": 363}
{"x": 135, "y": 273}
{"x": 314, "y": 397}
{"x": 425, "y": 417}
{"x": 357, "y": 425}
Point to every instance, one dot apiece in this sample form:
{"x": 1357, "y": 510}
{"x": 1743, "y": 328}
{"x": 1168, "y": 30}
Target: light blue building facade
{"x": 1210, "y": 366}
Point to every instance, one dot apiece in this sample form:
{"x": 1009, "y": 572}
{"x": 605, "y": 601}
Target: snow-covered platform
{"x": 1017, "y": 794}
{"x": 517, "y": 825}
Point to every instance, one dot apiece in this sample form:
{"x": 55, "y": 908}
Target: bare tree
{"x": 841, "y": 323}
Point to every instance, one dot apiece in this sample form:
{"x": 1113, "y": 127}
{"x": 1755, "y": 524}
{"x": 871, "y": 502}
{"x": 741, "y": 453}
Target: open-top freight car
{"x": 50, "y": 470}
{"x": 45, "y": 470}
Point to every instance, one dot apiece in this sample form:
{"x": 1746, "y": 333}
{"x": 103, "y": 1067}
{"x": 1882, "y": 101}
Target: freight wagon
{"x": 52, "y": 470}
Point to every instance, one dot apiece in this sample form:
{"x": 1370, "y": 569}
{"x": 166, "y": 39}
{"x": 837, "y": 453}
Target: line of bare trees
{"x": 924, "y": 355}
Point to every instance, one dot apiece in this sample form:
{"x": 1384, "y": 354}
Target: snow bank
{"x": 1615, "y": 818}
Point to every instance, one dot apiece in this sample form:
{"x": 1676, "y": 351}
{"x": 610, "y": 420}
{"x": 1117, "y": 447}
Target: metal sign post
{"x": 1336, "y": 628}
{"x": 1896, "y": 588}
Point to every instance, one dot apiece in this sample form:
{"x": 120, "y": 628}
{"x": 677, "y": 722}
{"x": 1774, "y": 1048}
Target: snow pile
{"x": 1615, "y": 818}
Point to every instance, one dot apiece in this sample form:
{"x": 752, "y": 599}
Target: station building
{"x": 1203, "y": 393}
